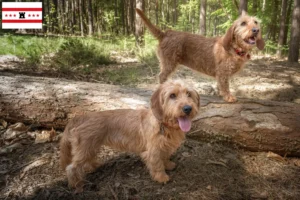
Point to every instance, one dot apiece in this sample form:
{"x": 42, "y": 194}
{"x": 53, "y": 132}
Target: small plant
{"x": 74, "y": 53}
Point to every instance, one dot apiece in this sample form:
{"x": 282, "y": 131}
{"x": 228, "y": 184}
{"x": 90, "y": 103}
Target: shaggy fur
{"x": 219, "y": 57}
{"x": 154, "y": 133}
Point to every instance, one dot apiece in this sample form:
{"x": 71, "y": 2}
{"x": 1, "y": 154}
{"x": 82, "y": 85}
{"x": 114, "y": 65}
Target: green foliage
{"x": 29, "y": 48}
{"x": 271, "y": 47}
{"x": 83, "y": 53}
{"x": 147, "y": 55}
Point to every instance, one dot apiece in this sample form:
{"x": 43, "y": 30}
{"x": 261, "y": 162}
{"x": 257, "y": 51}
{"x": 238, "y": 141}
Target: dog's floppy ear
{"x": 227, "y": 39}
{"x": 156, "y": 104}
{"x": 197, "y": 97}
{"x": 260, "y": 43}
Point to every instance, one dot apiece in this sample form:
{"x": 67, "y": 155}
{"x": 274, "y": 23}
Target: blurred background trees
{"x": 110, "y": 18}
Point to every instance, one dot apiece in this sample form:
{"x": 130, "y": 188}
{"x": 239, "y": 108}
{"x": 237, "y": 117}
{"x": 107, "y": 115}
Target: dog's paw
{"x": 169, "y": 165}
{"x": 161, "y": 177}
{"x": 230, "y": 98}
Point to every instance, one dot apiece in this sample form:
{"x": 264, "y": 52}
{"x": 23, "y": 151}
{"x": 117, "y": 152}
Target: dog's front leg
{"x": 223, "y": 86}
{"x": 169, "y": 165}
{"x": 155, "y": 164}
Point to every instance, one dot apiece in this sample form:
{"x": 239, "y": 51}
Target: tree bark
{"x": 203, "y": 17}
{"x": 90, "y": 18}
{"x": 156, "y": 12}
{"x": 243, "y": 6}
{"x": 287, "y": 21}
{"x": 251, "y": 124}
{"x": 295, "y": 33}
{"x": 282, "y": 25}
{"x": 255, "y": 125}
{"x": 80, "y": 17}
{"x": 139, "y": 27}
{"x": 174, "y": 12}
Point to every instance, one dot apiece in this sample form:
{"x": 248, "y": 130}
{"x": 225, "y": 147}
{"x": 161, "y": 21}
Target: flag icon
{"x": 22, "y": 15}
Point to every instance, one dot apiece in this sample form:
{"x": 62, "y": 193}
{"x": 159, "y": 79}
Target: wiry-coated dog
{"x": 219, "y": 57}
{"x": 154, "y": 133}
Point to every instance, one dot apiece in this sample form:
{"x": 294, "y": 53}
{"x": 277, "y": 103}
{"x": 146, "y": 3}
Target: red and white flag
{"x": 22, "y": 15}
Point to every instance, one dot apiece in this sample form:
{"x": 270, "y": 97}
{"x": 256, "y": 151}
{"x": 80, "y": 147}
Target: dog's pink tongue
{"x": 184, "y": 123}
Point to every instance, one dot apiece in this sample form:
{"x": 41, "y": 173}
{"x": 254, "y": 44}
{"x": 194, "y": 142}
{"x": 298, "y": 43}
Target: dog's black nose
{"x": 255, "y": 30}
{"x": 187, "y": 109}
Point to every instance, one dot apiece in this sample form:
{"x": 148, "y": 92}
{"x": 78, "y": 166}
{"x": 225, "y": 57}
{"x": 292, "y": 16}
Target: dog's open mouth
{"x": 250, "y": 40}
{"x": 184, "y": 123}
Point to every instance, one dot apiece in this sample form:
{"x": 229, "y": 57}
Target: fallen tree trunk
{"x": 252, "y": 124}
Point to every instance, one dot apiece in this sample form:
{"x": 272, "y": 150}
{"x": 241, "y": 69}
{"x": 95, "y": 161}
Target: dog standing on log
{"x": 219, "y": 57}
{"x": 154, "y": 133}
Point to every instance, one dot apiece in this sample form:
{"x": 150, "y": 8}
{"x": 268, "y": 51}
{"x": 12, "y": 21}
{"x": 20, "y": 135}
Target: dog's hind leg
{"x": 167, "y": 66}
{"x": 83, "y": 160}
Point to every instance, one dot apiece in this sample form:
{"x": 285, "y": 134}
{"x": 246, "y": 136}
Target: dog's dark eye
{"x": 172, "y": 96}
{"x": 243, "y": 23}
{"x": 188, "y": 94}
{"x": 255, "y": 22}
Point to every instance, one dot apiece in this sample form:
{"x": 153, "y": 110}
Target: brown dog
{"x": 153, "y": 133}
{"x": 219, "y": 57}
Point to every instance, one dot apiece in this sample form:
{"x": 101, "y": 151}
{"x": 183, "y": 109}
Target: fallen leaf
{"x": 186, "y": 154}
{"x": 14, "y": 131}
{"x": 10, "y": 148}
{"x": 18, "y": 127}
{"x": 209, "y": 187}
{"x": 35, "y": 164}
{"x": 133, "y": 175}
{"x": 216, "y": 163}
{"x": 276, "y": 157}
{"x": 4, "y": 123}
{"x": 45, "y": 136}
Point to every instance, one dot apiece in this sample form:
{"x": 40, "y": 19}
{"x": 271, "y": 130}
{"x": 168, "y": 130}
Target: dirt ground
{"x": 204, "y": 170}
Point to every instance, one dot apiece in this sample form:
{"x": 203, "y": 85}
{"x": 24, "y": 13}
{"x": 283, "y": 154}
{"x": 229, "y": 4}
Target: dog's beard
{"x": 184, "y": 123}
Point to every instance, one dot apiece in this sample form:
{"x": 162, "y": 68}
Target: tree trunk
{"x": 123, "y": 18}
{"x": 90, "y": 18}
{"x": 80, "y": 17}
{"x": 49, "y": 17}
{"x": 63, "y": 17}
{"x": 174, "y": 12}
{"x": 251, "y": 124}
{"x": 44, "y": 19}
{"x": 274, "y": 27}
{"x": 156, "y": 12}
{"x": 73, "y": 7}
{"x": 55, "y": 20}
{"x": 295, "y": 33}
{"x": 255, "y": 125}
{"x": 287, "y": 21}
{"x": 116, "y": 17}
{"x": 243, "y": 6}
{"x": 132, "y": 16}
{"x": 282, "y": 25}
{"x": 139, "y": 26}
{"x": 203, "y": 18}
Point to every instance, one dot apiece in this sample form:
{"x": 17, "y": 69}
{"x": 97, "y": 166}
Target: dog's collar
{"x": 242, "y": 53}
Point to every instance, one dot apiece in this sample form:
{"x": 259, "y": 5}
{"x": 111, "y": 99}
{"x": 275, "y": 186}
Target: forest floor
{"x": 30, "y": 170}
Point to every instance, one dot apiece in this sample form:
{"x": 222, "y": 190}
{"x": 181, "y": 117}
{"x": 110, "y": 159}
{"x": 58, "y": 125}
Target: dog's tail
{"x": 152, "y": 28}
{"x": 65, "y": 151}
